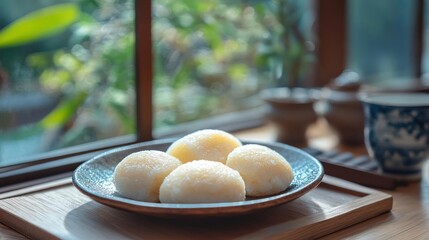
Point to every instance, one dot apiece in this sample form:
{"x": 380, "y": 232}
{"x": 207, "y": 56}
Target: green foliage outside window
{"x": 214, "y": 57}
{"x": 211, "y": 57}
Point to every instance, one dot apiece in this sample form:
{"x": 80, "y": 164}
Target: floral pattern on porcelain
{"x": 398, "y": 137}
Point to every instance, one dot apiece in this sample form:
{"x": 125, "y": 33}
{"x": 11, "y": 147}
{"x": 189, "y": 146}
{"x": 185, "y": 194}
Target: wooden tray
{"x": 65, "y": 213}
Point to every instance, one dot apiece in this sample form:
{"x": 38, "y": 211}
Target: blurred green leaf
{"x": 238, "y": 71}
{"x": 38, "y": 60}
{"x": 190, "y": 4}
{"x": 64, "y": 111}
{"x": 182, "y": 77}
{"x": 211, "y": 32}
{"x": 54, "y": 79}
{"x": 38, "y": 24}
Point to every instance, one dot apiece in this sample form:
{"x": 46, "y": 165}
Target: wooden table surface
{"x": 409, "y": 218}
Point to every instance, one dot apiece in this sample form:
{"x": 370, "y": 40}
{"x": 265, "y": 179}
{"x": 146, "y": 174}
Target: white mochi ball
{"x": 265, "y": 172}
{"x": 139, "y": 175}
{"x": 202, "y": 181}
{"x": 208, "y": 144}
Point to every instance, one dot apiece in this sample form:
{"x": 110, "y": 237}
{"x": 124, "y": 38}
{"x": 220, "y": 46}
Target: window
{"x": 211, "y": 58}
{"x": 67, "y": 76}
{"x": 381, "y": 38}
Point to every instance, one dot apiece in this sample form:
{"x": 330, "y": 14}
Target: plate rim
{"x": 197, "y": 209}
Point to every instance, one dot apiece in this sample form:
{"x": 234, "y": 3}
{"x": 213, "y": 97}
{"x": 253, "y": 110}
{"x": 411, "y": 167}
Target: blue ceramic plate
{"x": 94, "y": 179}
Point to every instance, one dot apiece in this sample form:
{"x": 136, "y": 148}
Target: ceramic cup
{"x": 397, "y": 131}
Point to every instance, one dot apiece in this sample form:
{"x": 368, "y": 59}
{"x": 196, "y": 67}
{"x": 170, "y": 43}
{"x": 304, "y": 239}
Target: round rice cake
{"x": 208, "y": 144}
{"x": 264, "y": 171}
{"x": 202, "y": 181}
{"x": 139, "y": 175}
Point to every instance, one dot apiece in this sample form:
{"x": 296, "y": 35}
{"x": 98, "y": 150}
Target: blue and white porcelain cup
{"x": 397, "y": 131}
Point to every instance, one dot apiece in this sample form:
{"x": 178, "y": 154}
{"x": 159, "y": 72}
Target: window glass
{"x": 380, "y": 38}
{"x": 66, "y": 74}
{"x": 213, "y": 57}
{"x": 67, "y": 67}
